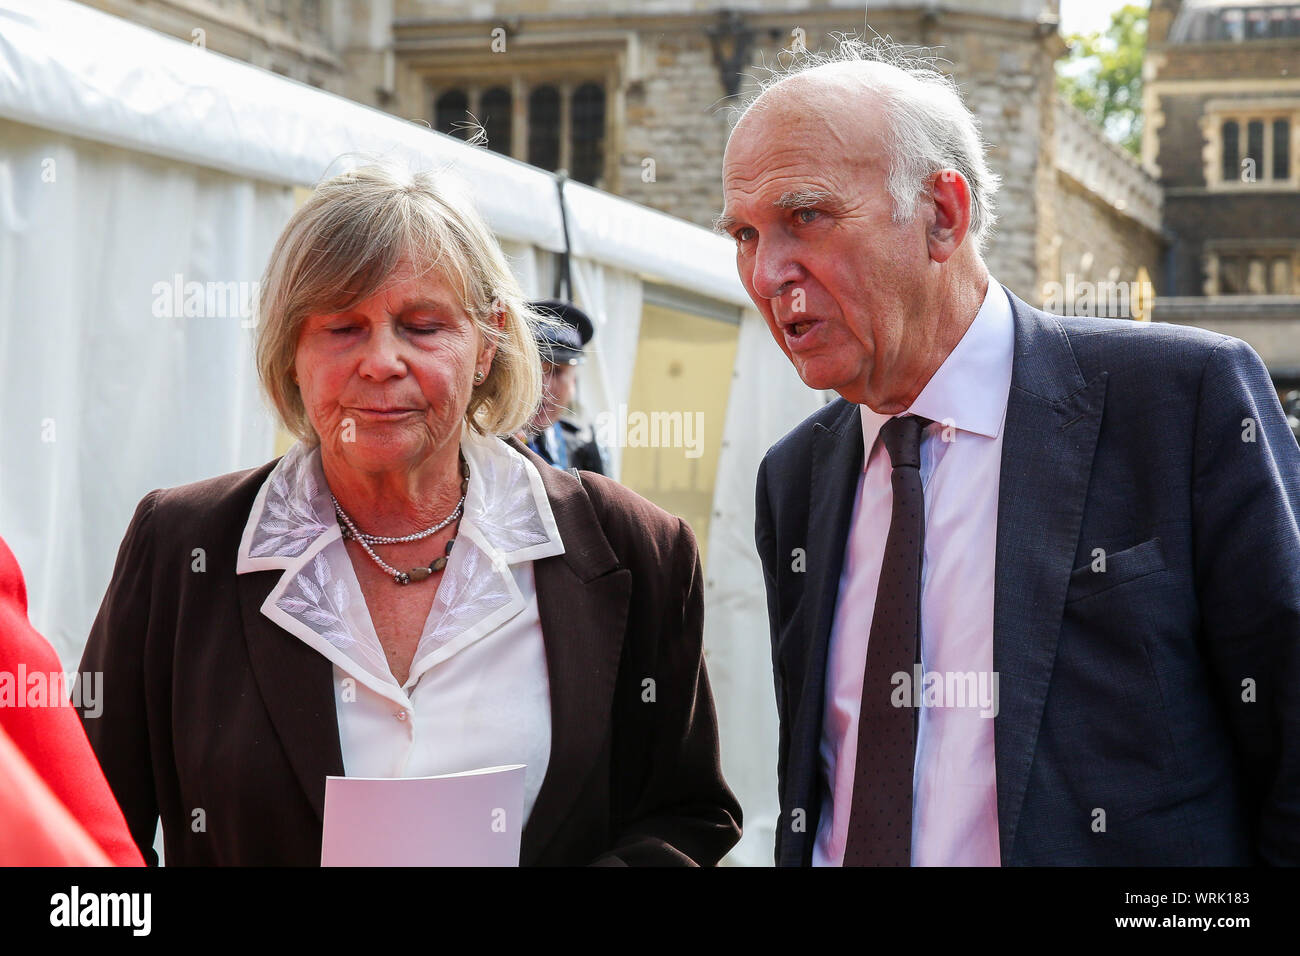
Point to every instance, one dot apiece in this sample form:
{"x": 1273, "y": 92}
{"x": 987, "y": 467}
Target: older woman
{"x": 404, "y": 593}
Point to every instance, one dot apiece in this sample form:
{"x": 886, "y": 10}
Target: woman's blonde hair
{"x": 344, "y": 244}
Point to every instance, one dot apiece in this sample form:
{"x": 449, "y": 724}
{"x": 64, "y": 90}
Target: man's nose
{"x": 382, "y": 354}
{"x": 775, "y": 269}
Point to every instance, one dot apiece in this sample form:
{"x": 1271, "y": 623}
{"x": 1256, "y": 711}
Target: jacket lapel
{"x": 297, "y": 687}
{"x": 582, "y": 599}
{"x": 1053, "y": 418}
{"x": 835, "y": 465}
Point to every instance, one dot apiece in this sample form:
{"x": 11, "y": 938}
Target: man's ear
{"x": 950, "y": 195}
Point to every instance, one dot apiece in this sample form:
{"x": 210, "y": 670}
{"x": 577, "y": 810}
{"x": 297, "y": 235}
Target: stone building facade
{"x": 672, "y": 69}
{"x": 1109, "y": 243}
{"x": 633, "y": 96}
{"x": 294, "y": 38}
{"x": 1222, "y": 136}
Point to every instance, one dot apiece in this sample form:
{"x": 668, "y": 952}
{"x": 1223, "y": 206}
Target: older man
{"x": 1033, "y": 582}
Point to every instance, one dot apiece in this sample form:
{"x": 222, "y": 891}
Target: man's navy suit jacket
{"x": 1163, "y": 691}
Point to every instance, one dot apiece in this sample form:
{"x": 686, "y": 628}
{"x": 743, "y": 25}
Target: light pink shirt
{"x": 954, "y": 787}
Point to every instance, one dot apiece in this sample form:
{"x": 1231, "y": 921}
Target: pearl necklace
{"x": 350, "y": 530}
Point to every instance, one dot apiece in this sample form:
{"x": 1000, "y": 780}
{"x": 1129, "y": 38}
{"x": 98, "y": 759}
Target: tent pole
{"x": 563, "y": 283}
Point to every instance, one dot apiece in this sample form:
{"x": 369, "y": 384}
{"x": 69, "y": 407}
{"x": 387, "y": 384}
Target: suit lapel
{"x": 835, "y": 465}
{"x": 297, "y": 686}
{"x": 582, "y": 600}
{"x": 1053, "y": 418}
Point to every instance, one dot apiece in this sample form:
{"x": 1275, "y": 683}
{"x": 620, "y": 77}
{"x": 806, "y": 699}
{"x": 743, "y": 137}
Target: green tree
{"x": 1102, "y": 75}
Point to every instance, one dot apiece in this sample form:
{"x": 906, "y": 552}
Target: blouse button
{"x": 400, "y": 715}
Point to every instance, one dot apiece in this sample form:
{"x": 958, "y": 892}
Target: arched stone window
{"x": 495, "y": 107}
{"x": 588, "y": 137}
{"x": 544, "y": 127}
{"x": 450, "y": 113}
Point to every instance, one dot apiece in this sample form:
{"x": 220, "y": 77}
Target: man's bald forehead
{"x": 835, "y": 93}
{"x": 834, "y": 84}
{"x": 843, "y": 119}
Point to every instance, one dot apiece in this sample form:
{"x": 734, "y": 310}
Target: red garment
{"x": 35, "y": 828}
{"x": 51, "y": 737}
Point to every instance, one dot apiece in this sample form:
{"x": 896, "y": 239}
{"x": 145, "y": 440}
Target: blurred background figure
{"x": 1291, "y": 405}
{"x": 552, "y": 432}
{"x": 56, "y": 808}
{"x": 35, "y": 828}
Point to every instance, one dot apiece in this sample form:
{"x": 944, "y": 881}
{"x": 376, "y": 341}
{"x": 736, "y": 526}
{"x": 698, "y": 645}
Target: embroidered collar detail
{"x": 292, "y": 528}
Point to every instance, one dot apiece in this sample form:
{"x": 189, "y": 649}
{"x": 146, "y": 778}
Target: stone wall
{"x": 1109, "y": 213}
{"x": 1180, "y": 154}
{"x": 1197, "y": 220}
{"x": 1099, "y": 244}
{"x": 1253, "y": 58}
{"x": 289, "y": 37}
{"x": 1005, "y": 72}
{"x": 677, "y": 117}
{"x": 670, "y": 153}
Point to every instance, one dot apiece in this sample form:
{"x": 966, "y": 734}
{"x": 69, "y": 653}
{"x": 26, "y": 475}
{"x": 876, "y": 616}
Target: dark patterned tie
{"x": 880, "y": 817}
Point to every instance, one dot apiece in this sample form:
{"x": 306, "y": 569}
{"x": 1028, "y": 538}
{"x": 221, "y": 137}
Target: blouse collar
{"x": 292, "y": 528}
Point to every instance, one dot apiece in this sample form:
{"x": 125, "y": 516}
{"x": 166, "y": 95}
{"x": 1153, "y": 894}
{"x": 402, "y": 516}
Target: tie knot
{"x": 902, "y": 437}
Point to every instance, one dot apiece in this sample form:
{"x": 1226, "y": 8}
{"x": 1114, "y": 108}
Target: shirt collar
{"x": 509, "y": 506}
{"x": 969, "y": 390}
{"x": 505, "y": 505}
{"x": 292, "y": 528}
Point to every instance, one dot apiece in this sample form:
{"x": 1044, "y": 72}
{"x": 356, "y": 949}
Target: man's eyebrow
{"x": 803, "y": 198}
{"x": 794, "y": 199}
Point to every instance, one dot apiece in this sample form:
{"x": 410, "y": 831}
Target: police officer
{"x": 562, "y": 442}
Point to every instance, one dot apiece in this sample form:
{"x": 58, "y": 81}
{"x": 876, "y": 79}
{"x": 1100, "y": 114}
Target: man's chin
{"x": 816, "y": 376}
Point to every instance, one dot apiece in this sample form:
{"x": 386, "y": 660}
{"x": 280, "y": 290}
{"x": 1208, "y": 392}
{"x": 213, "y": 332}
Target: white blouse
{"x": 477, "y": 695}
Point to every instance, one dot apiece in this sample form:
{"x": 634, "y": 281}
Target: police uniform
{"x": 566, "y": 444}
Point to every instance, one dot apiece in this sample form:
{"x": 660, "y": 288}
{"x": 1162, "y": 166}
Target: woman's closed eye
{"x": 340, "y": 331}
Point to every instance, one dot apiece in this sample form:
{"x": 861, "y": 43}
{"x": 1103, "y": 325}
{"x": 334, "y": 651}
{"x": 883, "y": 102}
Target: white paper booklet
{"x": 457, "y": 819}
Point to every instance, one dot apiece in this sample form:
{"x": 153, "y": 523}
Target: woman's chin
{"x": 374, "y": 451}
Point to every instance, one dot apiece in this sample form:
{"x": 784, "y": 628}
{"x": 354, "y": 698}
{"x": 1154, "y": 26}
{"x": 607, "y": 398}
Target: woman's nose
{"x": 382, "y": 355}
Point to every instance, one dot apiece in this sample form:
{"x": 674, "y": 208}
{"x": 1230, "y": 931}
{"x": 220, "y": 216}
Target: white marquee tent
{"x": 133, "y": 164}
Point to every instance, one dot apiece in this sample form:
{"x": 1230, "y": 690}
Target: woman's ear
{"x": 488, "y": 350}
{"x": 484, "y": 364}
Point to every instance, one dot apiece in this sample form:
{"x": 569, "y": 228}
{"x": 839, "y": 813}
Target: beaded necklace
{"x": 350, "y": 530}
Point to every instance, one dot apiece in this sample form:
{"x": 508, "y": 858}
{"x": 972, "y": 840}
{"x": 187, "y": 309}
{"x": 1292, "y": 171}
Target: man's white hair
{"x": 930, "y": 128}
